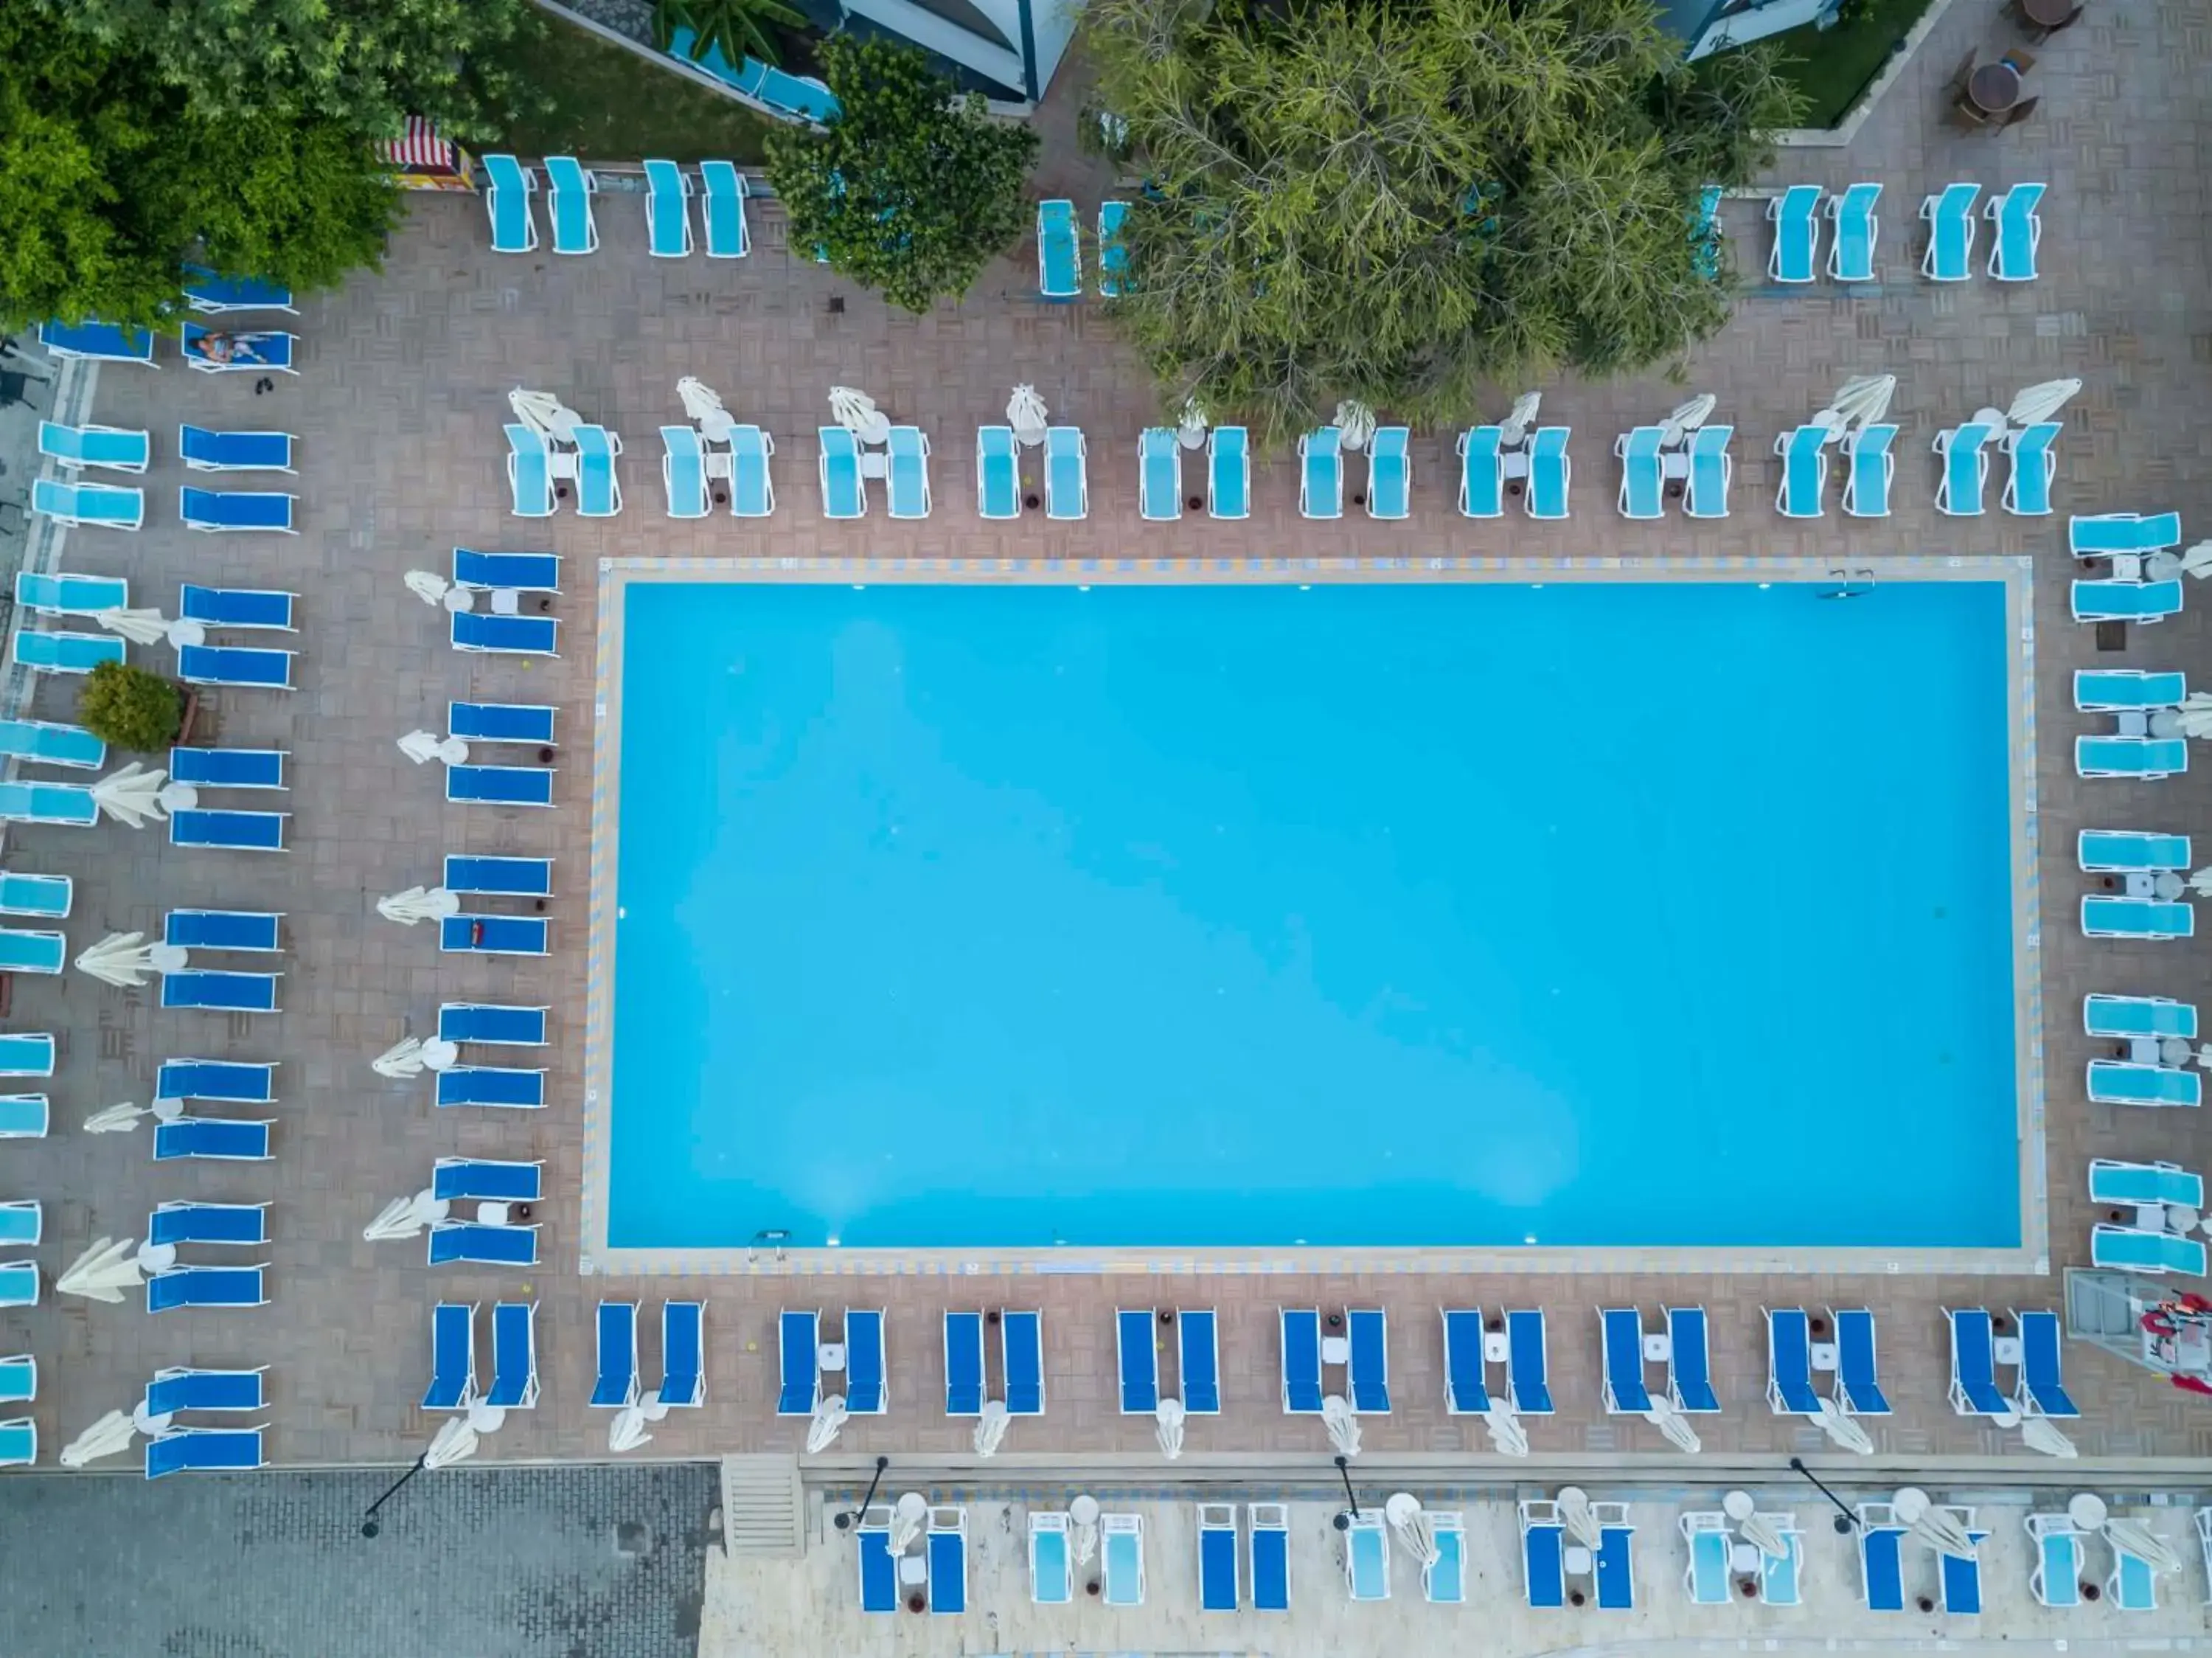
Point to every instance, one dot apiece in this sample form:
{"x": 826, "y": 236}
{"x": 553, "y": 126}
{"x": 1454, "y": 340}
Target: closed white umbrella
{"x": 1863, "y": 398}
{"x": 991, "y": 1427}
{"x": 456, "y": 1440}
{"x": 2197, "y": 560}
{"x": 1343, "y": 1426}
{"x": 2039, "y": 402}
{"x": 2133, "y": 1537}
{"x": 116, "y": 1119}
{"x": 700, "y": 401}
{"x": 103, "y": 1272}
{"x": 2040, "y": 1433}
{"x": 627, "y": 1431}
{"x": 1675, "y": 430}
{"x": 1514, "y": 430}
{"x": 1578, "y": 1518}
{"x": 1169, "y": 1432}
{"x": 1507, "y": 1436}
{"x": 1675, "y": 1427}
{"x": 2191, "y": 722}
{"x": 123, "y": 959}
{"x": 1026, "y": 414}
{"x": 403, "y": 1058}
{"x": 1842, "y": 1427}
{"x": 1082, "y": 1515}
{"x": 132, "y": 796}
{"x": 856, "y": 411}
{"x": 419, "y": 904}
{"x": 1407, "y": 1518}
{"x": 420, "y": 746}
{"x": 109, "y": 1437}
{"x": 400, "y": 1218}
{"x": 428, "y": 586}
{"x": 1355, "y": 424}
{"x": 830, "y": 1416}
{"x": 141, "y": 627}
{"x": 1927, "y": 1523}
{"x": 545, "y": 414}
{"x": 907, "y": 1516}
{"x": 2200, "y": 882}
{"x": 1760, "y": 1532}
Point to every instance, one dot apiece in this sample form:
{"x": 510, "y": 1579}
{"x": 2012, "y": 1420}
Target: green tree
{"x": 738, "y": 28}
{"x": 130, "y": 708}
{"x": 1396, "y": 200}
{"x": 911, "y": 189}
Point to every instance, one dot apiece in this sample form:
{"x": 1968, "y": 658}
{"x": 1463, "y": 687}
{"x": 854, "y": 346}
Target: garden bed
{"x": 1833, "y": 66}
{"x": 606, "y": 103}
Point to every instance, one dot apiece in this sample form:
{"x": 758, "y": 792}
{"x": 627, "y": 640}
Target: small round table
{"x": 1738, "y": 1506}
{"x": 2047, "y": 14}
{"x": 2087, "y": 1510}
{"x": 1994, "y": 87}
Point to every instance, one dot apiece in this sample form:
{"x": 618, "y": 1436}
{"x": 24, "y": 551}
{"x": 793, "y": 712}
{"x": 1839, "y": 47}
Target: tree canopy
{"x": 1396, "y": 200}
{"x": 910, "y": 189}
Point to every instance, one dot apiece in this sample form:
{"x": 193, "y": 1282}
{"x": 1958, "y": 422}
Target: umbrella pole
{"x": 846, "y": 1521}
{"x": 1351, "y": 1497}
{"x": 369, "y": 1526}
{"x": 1844, "y": 1518}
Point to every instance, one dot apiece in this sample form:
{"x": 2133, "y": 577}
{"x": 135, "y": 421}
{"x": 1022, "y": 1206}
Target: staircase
{"x": 763, "y": 1508}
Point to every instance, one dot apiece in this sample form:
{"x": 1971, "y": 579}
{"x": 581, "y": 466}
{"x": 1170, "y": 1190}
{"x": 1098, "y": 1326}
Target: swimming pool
{"x": 1598, "y": 914}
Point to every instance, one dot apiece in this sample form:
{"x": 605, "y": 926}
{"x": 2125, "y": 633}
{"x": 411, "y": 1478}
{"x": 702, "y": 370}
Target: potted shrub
{"x": 129, "y": 708}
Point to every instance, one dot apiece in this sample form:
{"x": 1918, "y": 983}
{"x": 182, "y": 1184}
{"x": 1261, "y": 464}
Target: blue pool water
{"x": 1661, "y": 915}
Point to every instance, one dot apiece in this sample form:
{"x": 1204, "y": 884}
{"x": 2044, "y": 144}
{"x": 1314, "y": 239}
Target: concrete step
{"x": 763, "y": 1506}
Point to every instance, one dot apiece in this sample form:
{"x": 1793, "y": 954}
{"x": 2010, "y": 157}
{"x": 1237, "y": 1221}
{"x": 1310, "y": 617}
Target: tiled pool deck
{"x": 399, "y": 408}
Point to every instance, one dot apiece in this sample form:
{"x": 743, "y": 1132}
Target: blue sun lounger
{"x": 22, "y": 951}
{"x": 508, "y": 188}
{"x": 1159, "y": 475}
{"x": 1228, "y": 472}
{"x": 2102, "y": 535}
{"x": 667, "y": 210}
{"x": 1804, "y": 452}
{"x": 180, "y": 1387}
{"x": 235, "y": 510}
{"x": 879, "y": 1589}
{"x": 500, "y": 785}
{"x": 906, "y": 481}
{"x": 22, "y": 1220}
{"x": 2136, "y": 917}
{"x": 1481, "y": 472}
{"x": 1367, "y": 1558}
{"x": 236, "y": 831}
{"x": 514, "y": 1356}
{"x": 2127, "y": 690}
{"x": 238, "y": 1080}
{"x": 506, "y": 636}
{"x": 598, "y": 492}
{"x": 2134, "y": 1018}
{"x": 1021, "y": 1356}
{"x": 251, "y": 353}
{"x": 1466, "y": 1391}
{"x": 474, "y": 1244}
{"x": 113, "y": 449}
{"x": 206, "y": 1286}
{"x": 1198, "y": 1361}
{"x": 452, "y": 1356}
{"x": 216, "y": 296}
{"x": 1850, "y": 256}
{"x": 1871, "y": 468}
{"x": 1219, "y": 1588}
{"x": 1320, "y": 474}
{"x": 2107, "y": 850}
{"x": 1711, "y": 469}
{"x": 1550, "y": 472}
{"x": 864, "y": 1392}
{"x": 1795, "y": 215}
{"x": 529, "y": 723}
{"x": 1615, "y": 1568}
{"x": 1974, "y": 1363}
{"x": 1622, "y": 1331}
{"x": 1642, "y": 492}
{"x": 2041, "y": 1388}
{"x": 492, "y": 1026}
{"x": 615, "y": 1385}
{"x": 1369, "y": 1373}
{"x": 724, "y": 191}
{"x": 479, "y": 1180}
{"x": 1881, "y": 1558}
{"x": 2125, "y": 601}
{"x": 1789, "y": 1363}
{"x": 2135, "y": 1249}
{"x": 49, "y": 896}
{"x": 1301, "y": 1393}
{"x": 1527, "y": 1377}
{"x": 19, "y": 1283}
{"x": 233, "y": 665}
{"x": 267, "y": 608}
{"x": 2019, "y": 232}
{"x": 1137, "y": 1355}
{"x": 751, "y": 494}
{"x": 998, "y": 473}
{"x": 2116, "y": 1083}
{"x": 2056, "y": 1581}
{"x": 205, "y": 451}
{"x": 66, "y": 653}
{"x": 2142, "y": 758}
{"x": 491, "y": 1085}
{"x": 946, "y": 1548}
{"x": 1067, "y": 477}
{"x": 683, "y": 1354}
{"x": 569, "y": 188}
{"x": 220, "y": 992}
{"x": 1059, "y": 252}
{"x": 683, "y": 472}
{"x": 1961, "y": 1578}
{"x": 1689, "y": 1362}
{"x": 963, "y": 1364}
{"x": 98, "y": 342}
{"x": 187, "y": 1223}
{"x": 1950, "y": 220}
{"x": 50, "y": 743}
{"x": 222, "y": 929}
{"x": 467, "y": 934}
{"x": 1270, "y": 1557}
{"x": 25, "y": 1054}
{"x": 1543, "y": 1554}
{"x": 529, "y": 472}
{"x": 23, "y": 1117}
{"x": 2027, "y": 491}
{"x": 843, "y": 494}
{"x": 1965, "y": 464}
{"x": 203, "y": 1450}
{"x": 1112, "y": 252}
{"x": 513, "y": 877}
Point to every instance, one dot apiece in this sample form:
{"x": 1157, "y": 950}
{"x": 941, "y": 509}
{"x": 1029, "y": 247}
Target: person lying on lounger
{"x": 228, "y": 348}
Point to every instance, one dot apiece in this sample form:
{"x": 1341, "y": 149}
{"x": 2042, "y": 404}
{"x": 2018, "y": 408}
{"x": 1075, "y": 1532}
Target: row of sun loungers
{"x": 1798, "y": 213}
{"x": 2144, "y": 585}
{"x": 108, "y": 506}
{"x": 571, "y": 187}
{"x": 115, "y": 449}
{"x": 259, "y": 352}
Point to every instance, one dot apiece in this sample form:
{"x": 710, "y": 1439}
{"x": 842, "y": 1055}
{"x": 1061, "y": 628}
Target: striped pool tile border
{"x": 599, "y": 1258}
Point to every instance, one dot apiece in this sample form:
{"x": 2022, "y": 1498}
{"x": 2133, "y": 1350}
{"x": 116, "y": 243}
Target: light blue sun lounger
{"x": 98, "y": 342}
{"x": 516, "y": 572}
{"x": 206, "y": 1286}
{"x": 25, "y": 952}
{"x": 1974, "y": 1363}
{"x": 49, "y": 896}
{"x": 246, "y": 1082}
{"x": 2034, "y": 464}
{"x": 479, "y": 1180}
{"x": 500, "y": 785}
{"x": 491, "y": 1085}
{"x": 751, "y": 493}
{"x": 23, "y": 1117}
{"x": 1881, "y": 1558}
{"x": 235, "y": 510}
{"x": 2055, "y": 1578}
{"x": 50, "y": 743}
{"x": 843, "y": 494}
{"x": 1137, "y": 1355}
{"x": 879, "y": 1590}
{"x": 88, "y": 506}
{"x": 529, "y": 472}
{"x": 1857, "y": 1389}
{"x": 19, "y": 1378}
{"x": 1443, "y": 1580}
{"x": 2116, "y": 1082}
{"x": 22, "y": 1220}
{"x": 2131, "y": 1249}
{"x": 1228, "y": 472}
{"x": 1804, "y": 452}
{"x": 514, "y": 1356}
{"x": 25, "y": 1054}
{"x": 963, "y": 1363}
{"x": 1481, "y": 472}
{"x": 2127, "y": 690}
{"x": 569, "y": 188}
{"x": 725, "y": 191}
{"x": 452, "y": 1356}
{"x": 1850, "y": 256}
{"x": 206, "y": 451}
{"x": 1113, "y": 255}
{"x": 1551, "y": 472}
{"x": 19, "y": 1283}
{"x": 1367, "y": 1558}
{"x": 1301, "y": 1327}
{"x": 1528, "y": 1385}
{"x": 906, "y": 481}
{"x": 467, "y": 934}
{"x": 2133, "y": 1017}
{"x": 204, "y": 1450}
{"x": 213, "y": 296}
{"x": 1795, "y": 215}
{"x": 1198, "y": 1359}
{"x": 1543, "y": 1554}
{"x": 1966, "y": 463}
{"x": 1067, "y": 477}
{"x": 2126, "y": 601}
{"x": 1621, "y": 1329}
{"x": 998, "y": 473}
{"x": 1950, "y": 220}
{"x": 2109, "y": 849}
{"x": 251, "y": 353}
{"x": 1270, "y": 1557}
{"x": 1320, "y": 474}
{"x": 235, "y": 831}
{"x": 508, "y": 188}
{"x": 1706, "y": 1579}
{"x": 683, "y": 472}
{"x": 473, "y": 1243}
{"x": 1711, "y": 469}
{"x": 2019, "y": 232}
{"x": 2133, "y": 1586}
{"x": 864, "y": 1392}
{"x": 1059, "y": 252}
{"x": 683, "y": 1354}
{"x": 1467, "y": 1392}
{"x": 505, "y": 636}
{"x": 518, "y": 877}
{"x": 2102, "y": 535}
{"x": 234, "y": 665}
{"x": 1871, "y": 467}
{"x": 1219, "y": 1588}
{"x": 1369, "y": 1371}
{"x": 1121, "y": 1552}
{"x": 798, "y": 1345}
{"x": 2142, "y": 758}
{"x": 2041, "y": 1362}
{"x": 946, "y": 1548}
{"x": 1642, "y": 492}
{"x": 266, "y": 608}
{"x": 65, "y": 652}
{"x": 115, "y": 449}
{"x": 222, "y": 929}
{"x": 667, "y": 210}
{"x": 598, "y": 492}
{"x": 1159, "y": 474}
{"x": 1021, "y": 1355}
{"x": 1689, "y": 1362}
{"x": 1789, "y": 1362}
{"x": 2136, "y": 917}
{"x": 187, "y": 1223}
{"x": 221, "y": 992}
